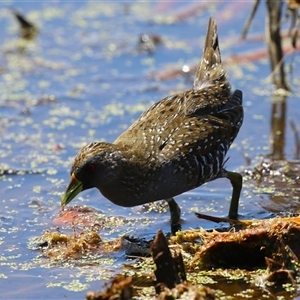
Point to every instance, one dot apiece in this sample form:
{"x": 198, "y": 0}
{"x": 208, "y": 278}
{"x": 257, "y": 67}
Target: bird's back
{"x": 196, "y": 126}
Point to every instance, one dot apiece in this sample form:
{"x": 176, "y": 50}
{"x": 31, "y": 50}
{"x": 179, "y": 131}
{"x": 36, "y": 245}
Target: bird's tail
{"x": 210, "y": 68}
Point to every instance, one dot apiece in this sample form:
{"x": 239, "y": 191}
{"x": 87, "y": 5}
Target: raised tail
{"x": 233, "y": 112}
{"x": 210, "y": 68}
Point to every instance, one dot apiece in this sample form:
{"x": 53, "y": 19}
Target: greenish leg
{"x": 236, "y": 180}
{"x": 175, "y": 215}
{"x": 174, "y": 210}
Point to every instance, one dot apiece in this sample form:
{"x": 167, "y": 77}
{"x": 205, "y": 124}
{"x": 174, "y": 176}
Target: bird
{"x": 28, "y": 30}
{"x": 176, "y": 145}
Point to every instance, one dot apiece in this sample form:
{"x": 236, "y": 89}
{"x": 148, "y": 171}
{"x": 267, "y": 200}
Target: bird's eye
{"x": 91, "y": 167}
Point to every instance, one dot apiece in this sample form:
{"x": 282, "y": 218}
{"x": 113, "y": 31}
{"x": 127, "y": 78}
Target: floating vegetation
{"x": 265, "y": 254}
{"x": 59, "y": 246}
{"x": 170, "y": 280}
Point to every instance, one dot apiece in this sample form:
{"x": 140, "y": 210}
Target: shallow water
{"x": 82, "y": 79}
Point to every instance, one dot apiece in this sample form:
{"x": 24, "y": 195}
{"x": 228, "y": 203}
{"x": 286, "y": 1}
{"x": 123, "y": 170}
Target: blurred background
{"x": 77, "y": 72}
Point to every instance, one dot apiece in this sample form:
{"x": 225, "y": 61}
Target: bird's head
{"x": 92, "y": 167}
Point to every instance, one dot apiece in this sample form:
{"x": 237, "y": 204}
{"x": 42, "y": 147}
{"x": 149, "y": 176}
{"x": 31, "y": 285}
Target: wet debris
{"x": 169, "y": 270}
{"x": 269, "y": 244}
{"x": 136, "y": 246}
{"x": 170, "y": 280}
{"x": 269, "y": 247}
{"x": 280, "y": 274}
{"x": 59, "y": 246}
{"x": 186, "y": 291}
{"x": 119, "y": 289}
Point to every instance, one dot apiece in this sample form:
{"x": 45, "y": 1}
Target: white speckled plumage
{"x": 179, "y": 143}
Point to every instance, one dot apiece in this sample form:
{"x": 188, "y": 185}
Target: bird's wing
{"x": 196, "y": 136}
{"x": 168, "y": 120}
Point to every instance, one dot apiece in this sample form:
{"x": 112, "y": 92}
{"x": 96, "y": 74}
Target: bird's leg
{"x": 175, "y": 215}
{"x": 174, "y": 210}
{"x": 236, "y": 180}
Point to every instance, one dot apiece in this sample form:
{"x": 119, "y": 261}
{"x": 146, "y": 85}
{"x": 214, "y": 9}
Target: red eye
{"x": 91, "y": 167}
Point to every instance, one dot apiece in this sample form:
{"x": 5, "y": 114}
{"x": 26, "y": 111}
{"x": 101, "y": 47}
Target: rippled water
{"x": 83, "y": 79}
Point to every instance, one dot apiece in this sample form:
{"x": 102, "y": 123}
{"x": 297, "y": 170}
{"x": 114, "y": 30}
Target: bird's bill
{"x": 74, "y": 188}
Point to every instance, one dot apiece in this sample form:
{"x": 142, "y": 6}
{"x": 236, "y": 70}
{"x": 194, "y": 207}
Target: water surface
{"x": 83, "y": 79}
